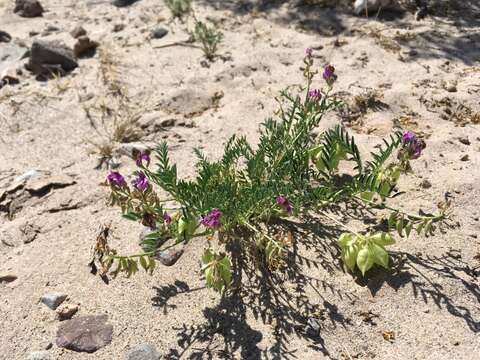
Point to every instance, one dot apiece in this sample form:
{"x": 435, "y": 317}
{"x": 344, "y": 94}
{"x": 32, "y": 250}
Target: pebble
{"x": 143, "y": 352}
{"x": 28, "y": 8}
{"x": 78, "y": 31}
{"x": 84, "y": 46}
{"x": 159, "y": 33}
{"x": 118, "y": 27}
{"x": 85, "y": 333}
{"x": 53, "y": 300}
{"x": 51, "y": 56}
{"x": 451, "y": 87}
{"x": 465, "y": 157}
{"x": 464, "y": 140}
{"x": 5, "y": 37}
{"x": 65, "y": 312}
{"x": 7, "y": 277}
{"x": 39, "y": 355}
{"x": 426, "y": 184}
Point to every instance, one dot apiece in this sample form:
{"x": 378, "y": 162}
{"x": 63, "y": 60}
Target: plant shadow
{"x": 278, "y": 299}
{"x": 424, "y": 273}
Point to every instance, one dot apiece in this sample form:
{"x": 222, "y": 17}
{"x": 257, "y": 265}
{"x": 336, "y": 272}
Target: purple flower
{"x": 140, "y": 182}
{"x": 412, "y": 145}
{"x": 329, "y": 74}
{"x": 309, "y": 51}
{"x": 116, "y": 179}
{"x": 315, "y": 94}
{"x": 212, "y": 219}
{"x": 283, "y": 202}
{"x": 145, "y": 155}
{"x": 167, "y": 218}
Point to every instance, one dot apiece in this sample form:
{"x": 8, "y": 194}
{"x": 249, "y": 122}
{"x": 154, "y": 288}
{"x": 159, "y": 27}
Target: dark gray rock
{"x": 28, "y": 8}
{"x": 143, "y": 352}
{"x": 122, "y": 3}
{"x": 85, "y": 333}
{"x": 7, "y": 277}
{"x": 48, "y": 57}
{"x": 313, "y": 327}
{"x": 169, "y": 257}
{"x": 159, "y": 33}
{"x": 5, "y": 37}
{"x": 39, "y": 355}
{"x": 53, "y": 300}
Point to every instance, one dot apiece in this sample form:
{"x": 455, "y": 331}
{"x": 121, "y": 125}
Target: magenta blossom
{"x": 143, "y": 156}
{"x": 116, "y": 179}
{"x": 309, "y": 51}
{"x": 283, "y": 202}
{"x": 212, "y": 219}
{"x": 167, "y": 218}
{"x": 315, "y": 94}
{"x": 141, "y": 181}
{"x": 329, "y": 74}
{"x": 412, "y": 145}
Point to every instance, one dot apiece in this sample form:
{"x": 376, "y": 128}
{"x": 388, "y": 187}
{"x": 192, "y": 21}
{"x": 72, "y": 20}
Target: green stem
{"x": 411, "y": 216}
{"x": 341, "y": 224}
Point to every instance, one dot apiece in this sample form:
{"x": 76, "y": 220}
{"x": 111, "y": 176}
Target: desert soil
{"x": 420, "y": 75}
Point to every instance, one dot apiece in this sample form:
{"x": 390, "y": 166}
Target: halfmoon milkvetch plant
{"x": 290, "y": 173}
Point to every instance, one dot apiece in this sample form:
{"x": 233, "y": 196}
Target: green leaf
{"x": 367, "y": 196}
{"x": 380, "y": 256}
{"x": 408, "y": 228}
{"x": 400, "y": 226}
{"x": 364, "y": 260}
{"x": 350, "y": 256}
{"x": 143, "y": 263}
{"x": 346, "y": 239}
{"x": 382, "y": 239}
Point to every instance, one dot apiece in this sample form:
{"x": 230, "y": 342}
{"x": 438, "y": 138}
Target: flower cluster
{"x": 314, "y": 94}
{"x": 142, "y": 156}
{"x": 140, "y": 182}
{"x": 329, "y": 74}
{"x": 412, "y": 145}
{"x": 116, "y": 179}
{"x": 212, "y": 219}
{"x": 283, "y": 202}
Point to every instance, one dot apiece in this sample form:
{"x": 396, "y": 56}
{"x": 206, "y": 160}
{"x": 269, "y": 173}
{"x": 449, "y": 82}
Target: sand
{"x": 425, "y": 76}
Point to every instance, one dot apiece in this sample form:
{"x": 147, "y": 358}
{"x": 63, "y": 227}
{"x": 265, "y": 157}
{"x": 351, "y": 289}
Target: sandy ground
{"x": 426, "y": 75}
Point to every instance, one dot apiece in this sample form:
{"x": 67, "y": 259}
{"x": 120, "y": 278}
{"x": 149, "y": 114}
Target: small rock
{"x": 169, "y": 257}
{"x": 53, "y": 300}
{"x": 5, "y": 37}
{"x": 48, "y": 57}
{"x": 7, "y": 277}
{"x": 465, "y": 157}
{"x": 65, "y": 312}
{"x": 78, "y": 31}
{"x": 464, "y": 140}
{"x": 39, "y": 355}
{"x": 28, "y": 8}
{"x": 118, "y": 27}
{"x": 85, "y": 333}
{"x": 9, "y": 77}
{"x": 426, "y": 184}
{"x": 168, "y": 123}
{"x": 159, "y": 33}
{"x": 30, "y": 232}
{"x": 451, "y": 86}
{"x": 122, "y": 3}
{"x": 84, "y": 46}
{"x": 143, "y": 352}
